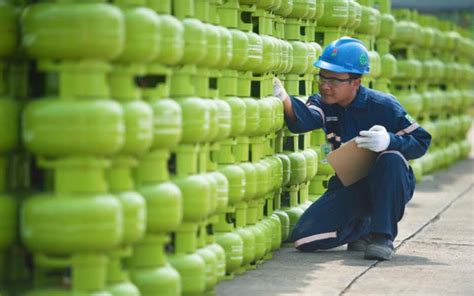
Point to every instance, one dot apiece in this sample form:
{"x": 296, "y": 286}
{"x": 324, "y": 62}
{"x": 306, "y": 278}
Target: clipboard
{"x": 351, "y": 163}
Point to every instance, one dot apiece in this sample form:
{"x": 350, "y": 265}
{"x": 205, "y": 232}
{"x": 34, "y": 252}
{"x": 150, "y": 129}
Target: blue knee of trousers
{"x": 391, "y": 163}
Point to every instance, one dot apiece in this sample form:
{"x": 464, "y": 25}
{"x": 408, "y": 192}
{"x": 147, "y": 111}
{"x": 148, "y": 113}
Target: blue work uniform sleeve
{"x": 309, "y": 116}
{"x": 411, "y": 140}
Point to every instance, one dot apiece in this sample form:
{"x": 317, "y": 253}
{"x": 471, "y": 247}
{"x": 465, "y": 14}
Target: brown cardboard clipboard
{"x": 351, "y": 163}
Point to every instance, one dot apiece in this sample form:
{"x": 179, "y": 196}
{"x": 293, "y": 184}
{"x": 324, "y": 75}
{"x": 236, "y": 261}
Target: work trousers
{"x": 345, "y": 214}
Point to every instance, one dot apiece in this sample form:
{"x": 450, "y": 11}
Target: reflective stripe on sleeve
{"x": 319, "y": 110}
{"x": 408, "y": 130}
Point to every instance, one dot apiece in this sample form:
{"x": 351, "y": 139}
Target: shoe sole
{"x": 356, "y": 247}
{"x": 374, "y": 252}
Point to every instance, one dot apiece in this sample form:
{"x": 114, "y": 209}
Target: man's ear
{"x": 357, "y": 82}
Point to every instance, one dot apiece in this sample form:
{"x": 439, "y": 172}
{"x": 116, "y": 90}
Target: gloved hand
{"x": 278, "y": 90}
{"x": 375, "y": 139}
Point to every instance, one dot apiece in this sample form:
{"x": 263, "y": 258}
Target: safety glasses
{"x": 332, "y": 81}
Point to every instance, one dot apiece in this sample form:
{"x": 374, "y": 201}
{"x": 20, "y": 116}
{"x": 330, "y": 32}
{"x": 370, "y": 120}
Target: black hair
{"x": 354, "y": 76}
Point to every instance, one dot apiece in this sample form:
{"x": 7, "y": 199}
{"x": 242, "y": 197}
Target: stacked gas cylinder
{"x": 434, "y": 83}
{"x": 152, "y": 158}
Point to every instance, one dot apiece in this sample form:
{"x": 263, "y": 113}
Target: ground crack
{"x": 403, "y": 242}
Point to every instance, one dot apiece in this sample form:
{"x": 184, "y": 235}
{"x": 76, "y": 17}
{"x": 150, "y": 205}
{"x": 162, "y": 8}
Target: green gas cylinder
{"x": 269, "y": 59}
{"x": 374, "y": 60}
{"x": 172, "y": 40}
{"x": 427, "y": 37}
{"x": 277, "y": 172}
{"x": 319, "y": 10}
{"x": 427, "y": 70}
{"x": 285, "y": 8}
{"x": 210, "y": 260}
{"x": 297, "y": 167}
{"x": 438, "y": 70}
{"x": 336, "y": 13}
{"x": 252, "y": 121}
{"x": 236, "y": 178}
{"x": 311, "y": 57}
{"x": 138, "y": 127}
{"x": 408, "y": 69}
{"x": 454, "y": 101}
{"x": 300, "y": 59}
{"x": 62, "y": 127}
{"x": 53, "y": 225}
{"x": 318, "y": 50}
{"x": 164, "y": 206}
{"x": 354, "y": 15}
{"x": 266, "y": 120}
{"x": 232, "y": 244}
{"x": 370, "y": 22}
{"x": 194, "y": 41}
{"x": 213, "y": 43}
{"x": 47, "y": 229}
{"x": 255, "y": 52}
{"x": 250, "y": 180}
{"x": 240, "y": 47}
{"x": 388, "y": 66}
{"x": 286, "y": 57}
{"x": 411, "y": 101}
{"x": 437, "y": 98}
{"x": 248, "y": 239}
{"x": 220, "y": 255}
{"x": 196, "y": 197}
{"x": 164, "y": 280}
{"x": 278, "y": 114}
{"x": 406, "y": 31}
{"x": 52, "y": 30}
{"x": 262, "y": 178}
{"x": 311, "y": 158}
{"x": 283, "y": 216}
{"x": 192, "y": 269}
{"x": 134, "y": 216}
{"x": 222, "y": 191}
{"x": 299, "y": 9}
{"x": 258, "y": 230}
{"x": 213, "y": 185}
{"x": 142, "y": 38}
{"x": 160, "y": 6}
{"x": 167, "y": 120}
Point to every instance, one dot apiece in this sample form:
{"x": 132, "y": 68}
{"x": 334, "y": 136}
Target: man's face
{"x": 337, "y": 88}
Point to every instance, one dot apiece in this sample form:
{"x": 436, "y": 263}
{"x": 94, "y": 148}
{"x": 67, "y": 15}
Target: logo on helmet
{"x": 363, "y": 59}
{"x": 334, "y": 52}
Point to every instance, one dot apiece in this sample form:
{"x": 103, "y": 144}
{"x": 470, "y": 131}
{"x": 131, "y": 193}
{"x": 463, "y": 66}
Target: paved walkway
{"x": 434, "y": 252}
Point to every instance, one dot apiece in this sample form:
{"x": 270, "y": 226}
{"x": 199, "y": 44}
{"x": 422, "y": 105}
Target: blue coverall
{"x": 377, "y": 202}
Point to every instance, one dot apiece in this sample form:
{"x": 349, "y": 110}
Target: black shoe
{"x": 380, "y": 248}
{"x": 359, "y": 245}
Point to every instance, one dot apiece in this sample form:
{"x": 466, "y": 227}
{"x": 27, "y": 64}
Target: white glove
{"x": 278, "y": 90}
{"x": 375, "y": 139}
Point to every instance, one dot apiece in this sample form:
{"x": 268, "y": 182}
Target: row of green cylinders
{"x": 153, "y": 124}
{"x": 106, "y": 161}
{"x": 433, "y": 82}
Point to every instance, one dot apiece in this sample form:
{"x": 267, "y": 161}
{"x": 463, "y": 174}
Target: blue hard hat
{"x": 345, "y": 55}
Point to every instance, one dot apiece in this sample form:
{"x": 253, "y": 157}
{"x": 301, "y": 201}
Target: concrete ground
{"x": 434, "y": 252}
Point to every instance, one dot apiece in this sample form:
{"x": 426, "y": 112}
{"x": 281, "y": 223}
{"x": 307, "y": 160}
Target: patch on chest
{"x": 331, "y": 118}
